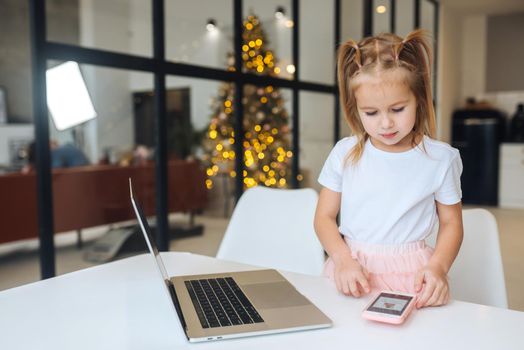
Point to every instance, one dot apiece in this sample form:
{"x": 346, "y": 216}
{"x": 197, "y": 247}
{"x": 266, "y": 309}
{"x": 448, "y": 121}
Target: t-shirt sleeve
{"x": 450, "y": 191}
{"x": 331, "y": 173}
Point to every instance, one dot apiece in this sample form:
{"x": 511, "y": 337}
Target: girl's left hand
{"x": 431, "y": 284}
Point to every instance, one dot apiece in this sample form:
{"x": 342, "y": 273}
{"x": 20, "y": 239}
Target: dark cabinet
{"x": 477, "y": 134}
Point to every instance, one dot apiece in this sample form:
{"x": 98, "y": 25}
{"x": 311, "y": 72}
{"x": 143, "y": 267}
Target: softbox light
{"x": 67, "y": 96}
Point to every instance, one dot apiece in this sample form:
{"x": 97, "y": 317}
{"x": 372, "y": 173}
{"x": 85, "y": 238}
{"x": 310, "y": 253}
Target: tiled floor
{"x": 21, "y": 266}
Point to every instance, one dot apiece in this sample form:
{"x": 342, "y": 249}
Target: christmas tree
{"x": 266, "y": 145}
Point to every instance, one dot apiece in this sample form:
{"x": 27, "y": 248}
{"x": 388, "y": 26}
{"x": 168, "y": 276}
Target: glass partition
{"x": 91, "y": 164}
{"x": 123, "y": 26}
{"x": 316, "y": 135}
{"x": 381, "y": 16}
{"x": 427, "y": 21}
{"x": 317, "y": 56}
{"x": 191, "y": 107}
{"x": 267, "y": 145}
{"x": 120, "y": 140}
{"x": 267, "y": 38}
{"x": 404, "y": 17}
{"x": 351, "y": 28}
{"x": 199, "y": 32}
{"x": 352, "y": 23}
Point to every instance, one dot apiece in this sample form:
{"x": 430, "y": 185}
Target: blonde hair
{"x": 386, "y": 53}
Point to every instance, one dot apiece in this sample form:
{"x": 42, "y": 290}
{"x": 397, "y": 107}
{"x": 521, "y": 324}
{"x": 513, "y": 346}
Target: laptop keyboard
{"x": 219, "y": 302}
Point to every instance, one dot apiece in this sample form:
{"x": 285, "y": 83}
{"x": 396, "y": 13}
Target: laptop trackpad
{"x": 274, "y": 295}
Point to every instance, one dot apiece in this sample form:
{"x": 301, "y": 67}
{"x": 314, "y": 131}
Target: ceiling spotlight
{"x": 211, "y": 25}
{"x": 381, "y": 9}
{"x": 280, "y": 12}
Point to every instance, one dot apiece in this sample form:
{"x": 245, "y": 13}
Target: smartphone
{"x": 390, "y": 307}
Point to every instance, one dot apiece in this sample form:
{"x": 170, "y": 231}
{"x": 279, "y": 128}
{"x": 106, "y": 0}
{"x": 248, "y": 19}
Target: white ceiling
{"x": 484, "y": 6}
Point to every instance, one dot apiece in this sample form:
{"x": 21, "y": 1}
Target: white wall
{"x": 474, "y": 70}
{"x": 473, "y": 77}
{"x": 473, "y": 36}
{"x": 462, "y": 68}
{"x": 449, "y": 70}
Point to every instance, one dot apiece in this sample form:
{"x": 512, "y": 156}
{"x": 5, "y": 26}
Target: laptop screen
{"x": 146, "y": 230}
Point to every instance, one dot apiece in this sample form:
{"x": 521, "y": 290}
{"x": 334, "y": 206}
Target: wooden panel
{"x": 96, "y": 195}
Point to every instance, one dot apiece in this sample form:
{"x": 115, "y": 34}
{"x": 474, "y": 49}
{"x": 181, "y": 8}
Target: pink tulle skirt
{"x": 390, "y": 267}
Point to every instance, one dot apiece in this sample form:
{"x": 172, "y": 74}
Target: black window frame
{"x": 43, "y": 50}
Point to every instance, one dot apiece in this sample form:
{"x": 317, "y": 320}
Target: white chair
{"x": 274, "y": 228}
{"x": 477, "y": 274}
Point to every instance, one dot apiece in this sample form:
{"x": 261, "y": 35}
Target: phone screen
{"x": 388, "y": 303}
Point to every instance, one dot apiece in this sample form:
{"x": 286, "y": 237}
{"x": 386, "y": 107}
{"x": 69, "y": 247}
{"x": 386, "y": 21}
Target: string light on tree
{"x": 266, "y": 147}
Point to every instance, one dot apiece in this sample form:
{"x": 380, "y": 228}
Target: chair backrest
{"x": 477, "y": 275}
{"x": 274, "y": 228}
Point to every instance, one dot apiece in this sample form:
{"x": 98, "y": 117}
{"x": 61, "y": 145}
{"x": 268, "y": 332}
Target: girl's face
{"x": 387, "y": 109}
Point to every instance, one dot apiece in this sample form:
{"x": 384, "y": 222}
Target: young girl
{"x": 391, "y": 181}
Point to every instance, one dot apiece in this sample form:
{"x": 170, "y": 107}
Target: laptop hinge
{"x": 177, "y": 304}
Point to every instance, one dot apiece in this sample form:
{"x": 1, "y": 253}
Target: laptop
{"x": 236, "y": 304}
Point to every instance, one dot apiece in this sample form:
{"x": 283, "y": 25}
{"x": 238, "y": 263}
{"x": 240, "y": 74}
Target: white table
{"x": 121, "y": 305}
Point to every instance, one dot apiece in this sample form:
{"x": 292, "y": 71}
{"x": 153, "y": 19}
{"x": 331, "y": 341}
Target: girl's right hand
{"x": 350, "y": 277}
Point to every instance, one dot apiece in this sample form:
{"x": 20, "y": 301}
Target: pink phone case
{"x": 382, "y": 317}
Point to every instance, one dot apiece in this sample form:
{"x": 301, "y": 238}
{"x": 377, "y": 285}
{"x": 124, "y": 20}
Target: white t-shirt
{"x": 389, "y": 198}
